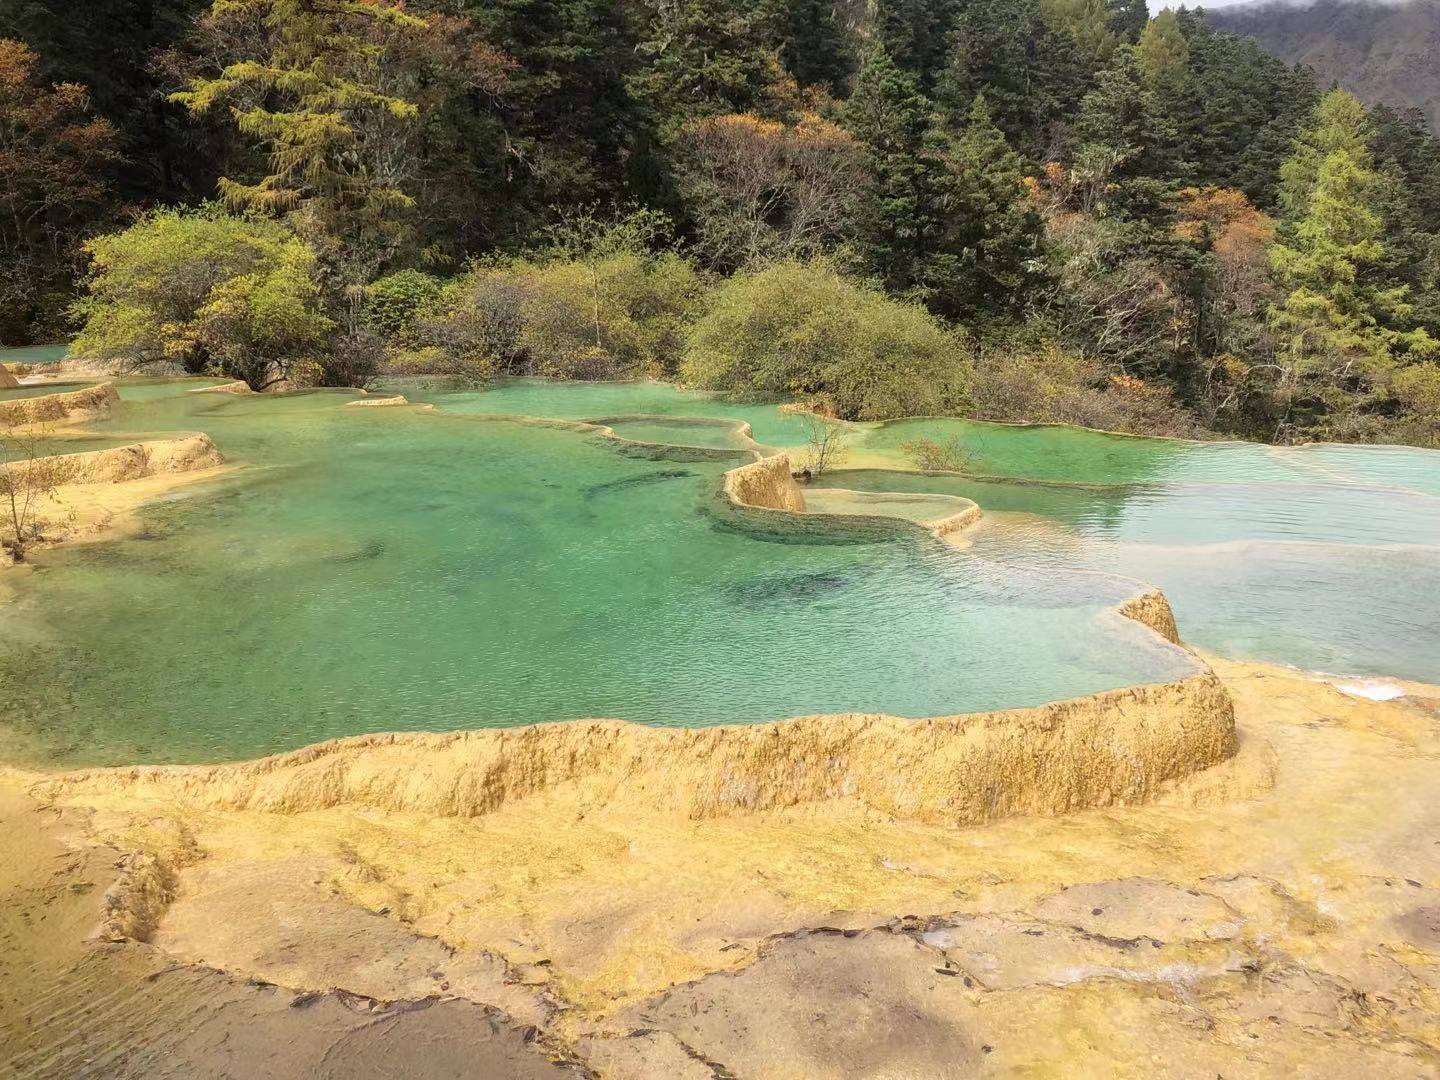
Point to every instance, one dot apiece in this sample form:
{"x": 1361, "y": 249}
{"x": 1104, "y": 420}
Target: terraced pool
{"x": 402, "y": 569}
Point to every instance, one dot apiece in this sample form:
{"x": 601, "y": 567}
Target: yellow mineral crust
{"x": 378, "y": 403}
{"x": 121, "y": 463}
{"x": 765, "y": 484}
{"x": 86, "y": 404}
{"x": 1118, "y": 747}
{"x": 238, "y": 387}
{"x": 7, "y": 380}
{"x": 1152, "y": 609}
{"x": 1272, "y": 916}
{"x": 99, "y": 491}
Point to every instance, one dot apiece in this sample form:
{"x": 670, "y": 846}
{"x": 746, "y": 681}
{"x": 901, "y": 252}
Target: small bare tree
{"x": 28, "y": 478}
{"x": 933, "y": 455}
{"x": 826, "y": 445}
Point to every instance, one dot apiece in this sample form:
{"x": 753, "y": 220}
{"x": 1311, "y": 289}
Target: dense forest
{"x": 1014, "y": 209}
{"x": 1379, "y": 50}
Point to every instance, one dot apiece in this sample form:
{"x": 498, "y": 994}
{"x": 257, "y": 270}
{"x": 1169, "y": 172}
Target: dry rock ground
{"x": 1276, "y": 915}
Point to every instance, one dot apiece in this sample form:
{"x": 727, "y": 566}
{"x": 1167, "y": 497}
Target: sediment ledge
{"x": 765, "y": 484}
{"x": 121, "y": 463}
{"x": 378, "y": 403}
{"x": 84, "y": 404}
{"x": 238, "y": 387}
{"x": 1152, "y": 609}
{"x": 1117, "y": 747}
{"x": 7, "y": 380}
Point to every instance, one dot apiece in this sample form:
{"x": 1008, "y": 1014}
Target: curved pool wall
{"x": 811, "y": 623}
{"x": 404, "y": 569}
{"x": 1120, "y": 747}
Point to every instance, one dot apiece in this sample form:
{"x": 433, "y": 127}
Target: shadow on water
{"x": 629, "y": 483}
{"x": 802, "y": 587}
{"x": 370, "y": 550}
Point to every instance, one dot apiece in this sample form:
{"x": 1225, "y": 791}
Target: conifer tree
{"x": 1339, "y": 126}
{"x": 814, "y": 46}
{"x": 565, "y": 100}
{"x": 1128, "y": 140}
{"x": 1088, "y": 23}
{"x": 310, "y": 90}
{"x": 1163, "y": 54}
{"x": 1029, "y": 73}
{"x": 1344, "y": 323}
{"x": 703, "y": 58}
{"x": 903, "y": 232}
{"x": 1128, "y": 18}
{"x": 915, "y": 32}
{"x": 999, "y": 231}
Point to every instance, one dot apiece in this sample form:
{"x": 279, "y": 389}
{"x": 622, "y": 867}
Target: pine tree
{"x": 903, "y": 231}
{"x": 1239, "y": 111}
{"x": 1088, "y": 23}
{"x": 999, "y": 232}
{"x": 564, "y": 100}
{"x": 1128, "y": 139}
{"x": 310, "y": 93}
{"x": 1163, "y": 54}
{"x": 703, "y": 58}
{"x": 1129, "y": 18}
{"x": 1030, "y": 74}
{"x": 814, "y": 46}
{"x": 1344, "y": 322}
{"x": 913, "y": 33}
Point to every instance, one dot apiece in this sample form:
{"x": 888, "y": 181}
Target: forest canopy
{"x": 1022, "y": 209}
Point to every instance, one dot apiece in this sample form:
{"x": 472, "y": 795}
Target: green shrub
{"x": 394, "y": 304}
{"x": 804, "y": 328}
{"x": 208, "y": 291}
{"x": 1029, "y": 378}
{"x": 619, "y": 316}
{"x": 479, "y": 319}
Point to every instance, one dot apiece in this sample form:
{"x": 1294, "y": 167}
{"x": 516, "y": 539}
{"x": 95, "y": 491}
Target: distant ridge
{"x": 1382, "y": 52}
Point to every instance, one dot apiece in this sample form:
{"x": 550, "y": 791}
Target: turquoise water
{"x": 411, "y": 570}
{"x": 587, "y": 401}
{"x": 13, "y": 392}
{"x": 34, "y": 354}
{"x": 403, "y": 570}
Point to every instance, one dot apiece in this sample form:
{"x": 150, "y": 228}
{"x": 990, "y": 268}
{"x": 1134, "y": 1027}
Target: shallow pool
{"x": 402, "y": 569}
{"x": 386, "y": 569}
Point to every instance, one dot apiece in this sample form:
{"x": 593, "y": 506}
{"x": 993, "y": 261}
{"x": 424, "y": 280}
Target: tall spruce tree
{"x": 1088, "y": 23}
{"x": 1029, "y": 73}
{"x": 814, "y": 46}
{"x": 1345, "y": 324}
{"x": 999, "y": 232}
{"x": 310, "y": 90}
{"x": 564, "y": 103}
{"x": 1128, "y": 18}
{"x": 913, "y": 33}
{"x": 702, "y": 58}
{"x": 1129, "y": 140}
{"x": 903, "y": 233}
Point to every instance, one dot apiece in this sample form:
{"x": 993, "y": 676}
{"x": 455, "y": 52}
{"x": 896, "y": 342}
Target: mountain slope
{"x": 1380, "y": 52}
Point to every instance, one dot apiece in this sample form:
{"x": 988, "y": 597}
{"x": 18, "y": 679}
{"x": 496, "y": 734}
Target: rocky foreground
{"x": 1275, "y": 915}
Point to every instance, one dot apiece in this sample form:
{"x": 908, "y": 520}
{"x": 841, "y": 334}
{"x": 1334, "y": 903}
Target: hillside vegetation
{"x": 1016, "y": 209}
